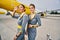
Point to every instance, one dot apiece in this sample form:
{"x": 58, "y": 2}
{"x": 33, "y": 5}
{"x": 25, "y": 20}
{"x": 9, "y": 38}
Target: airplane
{"x": 10, "y": 4}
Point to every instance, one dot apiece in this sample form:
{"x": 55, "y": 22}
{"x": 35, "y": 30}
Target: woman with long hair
{"x": 22, "y": 21}
{"x": 34, "y": 18}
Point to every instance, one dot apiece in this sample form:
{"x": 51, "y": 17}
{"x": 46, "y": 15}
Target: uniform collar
{"x": 22, "y": 14}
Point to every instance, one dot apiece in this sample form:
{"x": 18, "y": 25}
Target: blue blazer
{"x": 35, "y": 20}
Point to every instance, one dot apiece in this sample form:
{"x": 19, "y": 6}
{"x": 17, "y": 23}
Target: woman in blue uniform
{"x": 34, "y": 18}
{"x": 22, "y": 21}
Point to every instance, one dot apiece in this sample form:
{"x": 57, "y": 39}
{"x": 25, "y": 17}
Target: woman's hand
{"x": 32, "y": 26}
{"x": 14, "y": 11}
{"x": 15, "y": 37}
{"x": 36, "y": 25}
{"x": 18, "y": 34}
{"x": 15, "y": 8}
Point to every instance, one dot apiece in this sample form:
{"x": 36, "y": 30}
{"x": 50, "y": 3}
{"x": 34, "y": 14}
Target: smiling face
{"x": 21, "y": 8}
{"x": 32, "y": 8}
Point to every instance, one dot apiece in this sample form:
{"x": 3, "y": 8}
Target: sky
{"x": 43, "y": 5}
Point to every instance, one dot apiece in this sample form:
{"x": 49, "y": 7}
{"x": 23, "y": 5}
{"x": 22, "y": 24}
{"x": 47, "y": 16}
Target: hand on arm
{"x": 17, "y": 35}
{"x": 32, "y": 26}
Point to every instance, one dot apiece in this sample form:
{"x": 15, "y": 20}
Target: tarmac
{"x": 49, "y": 30}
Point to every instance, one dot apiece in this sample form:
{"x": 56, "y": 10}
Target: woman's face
{"x": 21, "y": 8}
{"x": 32, "y": 9}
